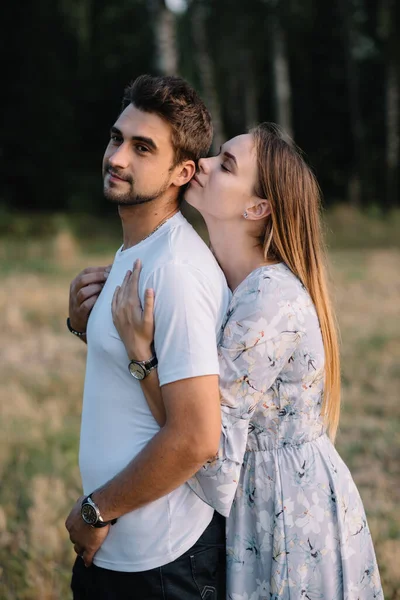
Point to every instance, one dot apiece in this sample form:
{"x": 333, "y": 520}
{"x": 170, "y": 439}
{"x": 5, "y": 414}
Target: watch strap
{"x": 74, "y": 331}
{"x": 148, "y": 365}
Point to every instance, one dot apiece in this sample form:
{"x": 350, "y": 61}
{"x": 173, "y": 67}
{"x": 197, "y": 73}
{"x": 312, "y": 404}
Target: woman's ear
{"x": 184, "y": 173}
{"x": 259, "y": 210}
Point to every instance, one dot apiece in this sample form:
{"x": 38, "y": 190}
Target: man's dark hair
{"x": 175, "y": 101}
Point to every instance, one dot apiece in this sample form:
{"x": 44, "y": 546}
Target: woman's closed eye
{"x": 224, "y": 168}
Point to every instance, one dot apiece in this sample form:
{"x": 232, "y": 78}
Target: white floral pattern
{"x": 296, "y": 526}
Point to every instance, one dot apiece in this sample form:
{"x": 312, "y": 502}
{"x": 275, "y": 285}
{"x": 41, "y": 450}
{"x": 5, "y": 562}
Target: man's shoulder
{"x": 183, "y": 248}
{"x": 184, "y": 240}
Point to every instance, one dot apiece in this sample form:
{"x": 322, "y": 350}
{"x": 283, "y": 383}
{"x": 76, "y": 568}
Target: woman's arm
{"x": 136, "y": 329}
{"x": 251, "y": 359}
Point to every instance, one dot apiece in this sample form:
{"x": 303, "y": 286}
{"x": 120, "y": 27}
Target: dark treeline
{"x": 328, "y": 72}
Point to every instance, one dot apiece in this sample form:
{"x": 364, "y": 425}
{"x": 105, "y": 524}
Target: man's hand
{"x": 83, "y": 293}
{"x": 86, "y": 539}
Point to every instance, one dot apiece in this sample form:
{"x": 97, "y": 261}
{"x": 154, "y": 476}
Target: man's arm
{"x": 189, "y": 438}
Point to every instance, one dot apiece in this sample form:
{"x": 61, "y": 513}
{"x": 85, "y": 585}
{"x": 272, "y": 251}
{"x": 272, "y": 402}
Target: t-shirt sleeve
{"x": 186, "y": 312}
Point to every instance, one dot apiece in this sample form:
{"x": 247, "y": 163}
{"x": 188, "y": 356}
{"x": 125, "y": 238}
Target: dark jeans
{"x": 199, "y": 574}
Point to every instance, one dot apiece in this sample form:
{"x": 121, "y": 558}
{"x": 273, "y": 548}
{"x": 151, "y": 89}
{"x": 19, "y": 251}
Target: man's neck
{"x": 138, "y": 222}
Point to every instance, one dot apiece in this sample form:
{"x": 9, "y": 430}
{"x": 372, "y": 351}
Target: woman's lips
{"x": 197, "y": 181}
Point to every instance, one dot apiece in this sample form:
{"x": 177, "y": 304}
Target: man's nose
{"x": 119, "y": 158}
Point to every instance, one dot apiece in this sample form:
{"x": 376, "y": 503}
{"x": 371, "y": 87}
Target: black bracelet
{"x": 77, "y": 333}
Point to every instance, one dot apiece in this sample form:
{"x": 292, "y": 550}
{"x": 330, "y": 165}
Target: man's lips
{"x": 115, "y": 177}
{"x": 197, "y": 180}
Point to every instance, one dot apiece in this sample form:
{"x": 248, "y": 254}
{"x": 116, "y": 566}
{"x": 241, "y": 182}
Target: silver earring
{"x": 245, "y": 214}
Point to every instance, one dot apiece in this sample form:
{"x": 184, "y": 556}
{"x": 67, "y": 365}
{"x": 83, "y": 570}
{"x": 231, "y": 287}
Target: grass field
{"x": 41, "y": 379}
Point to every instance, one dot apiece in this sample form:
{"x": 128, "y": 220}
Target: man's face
{"x": 137, "y": 163}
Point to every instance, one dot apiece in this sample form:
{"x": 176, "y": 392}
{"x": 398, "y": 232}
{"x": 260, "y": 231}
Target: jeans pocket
{"x": 206, "y": 571}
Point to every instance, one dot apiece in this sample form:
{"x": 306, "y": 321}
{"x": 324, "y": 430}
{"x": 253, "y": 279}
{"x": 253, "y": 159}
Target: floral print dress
{"x": 296, "y": 526}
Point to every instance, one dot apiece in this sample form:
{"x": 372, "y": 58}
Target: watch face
{"x": 89, "y": 514}
{"x": 137, "y": 371}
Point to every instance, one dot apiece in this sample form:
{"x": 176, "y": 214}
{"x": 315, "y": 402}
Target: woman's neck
{"x": 237, "y": 253}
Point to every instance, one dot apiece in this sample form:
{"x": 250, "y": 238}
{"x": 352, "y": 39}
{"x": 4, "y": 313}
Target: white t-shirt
{"x": 191, "y": 299}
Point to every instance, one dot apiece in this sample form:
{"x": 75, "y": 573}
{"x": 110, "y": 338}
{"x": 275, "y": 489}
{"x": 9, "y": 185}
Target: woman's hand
{"x": 134, "y": 325}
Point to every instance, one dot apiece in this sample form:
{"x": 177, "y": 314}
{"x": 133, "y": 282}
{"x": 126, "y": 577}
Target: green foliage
{"x": 74, "y": 59}
{"x": 350, "y": 228}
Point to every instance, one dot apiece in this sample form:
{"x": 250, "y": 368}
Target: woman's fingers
{"x": 127, "y": 294}
{"x": 114, "y": 301}
{"x": 148, "y": 311}
{"x": 134, "y": 285}
{"x": 137, "y": 267}
{"x": 126, "y": 279}
{"x": 124, "y": 293}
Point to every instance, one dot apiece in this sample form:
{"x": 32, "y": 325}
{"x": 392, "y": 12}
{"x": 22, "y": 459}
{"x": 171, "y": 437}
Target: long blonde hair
{"x": 293, "y": 235}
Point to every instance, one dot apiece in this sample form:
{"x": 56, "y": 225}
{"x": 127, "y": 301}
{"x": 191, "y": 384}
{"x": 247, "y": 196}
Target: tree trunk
{"x": 280, "y": 65}
{"x": 80, "y": 15}
{"x": 250, "y": 89}
{"x": 206, "y": 72}
{"x": 392, "y": 135}
{"x": 392, "y": 85}
{"x": 165, "y": 37}
{"x": 356, "y": 184}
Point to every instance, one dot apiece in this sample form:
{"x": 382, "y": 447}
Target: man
{"x": 149, "y": 536}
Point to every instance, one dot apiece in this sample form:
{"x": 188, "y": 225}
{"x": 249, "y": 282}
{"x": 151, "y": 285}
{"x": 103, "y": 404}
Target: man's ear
{"x": 259, "y": 210}
{"x": 184, "y": 173}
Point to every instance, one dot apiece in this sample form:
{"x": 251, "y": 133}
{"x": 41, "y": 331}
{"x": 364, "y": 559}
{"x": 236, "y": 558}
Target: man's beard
{"x": 131, "y": 198}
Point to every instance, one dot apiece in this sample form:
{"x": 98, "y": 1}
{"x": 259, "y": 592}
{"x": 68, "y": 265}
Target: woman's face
{"x": 223, "y": 187}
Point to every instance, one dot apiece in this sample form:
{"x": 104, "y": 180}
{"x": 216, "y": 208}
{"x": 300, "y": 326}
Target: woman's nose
{"x": 204, "y": 165}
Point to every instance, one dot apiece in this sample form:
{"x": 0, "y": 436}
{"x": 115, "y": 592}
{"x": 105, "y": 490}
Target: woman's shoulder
{"x": 271, "y": 282}
{"x": 272, "y": 291}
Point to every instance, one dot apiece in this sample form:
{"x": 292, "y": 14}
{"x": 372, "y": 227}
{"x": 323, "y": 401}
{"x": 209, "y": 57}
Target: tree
{"x": 280, "y": 64}
{"x": 204, "y": 61}
{"x": 356, "y": 180}
{"x": 390, "y": 15}
{"x": 165, "y": 37}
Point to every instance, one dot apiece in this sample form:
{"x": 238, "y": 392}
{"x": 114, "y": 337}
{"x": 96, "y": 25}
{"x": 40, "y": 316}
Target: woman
{"x": 296, "y": 527}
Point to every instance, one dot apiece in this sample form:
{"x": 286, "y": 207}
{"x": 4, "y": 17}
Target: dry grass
{"x": 41, "y": 378}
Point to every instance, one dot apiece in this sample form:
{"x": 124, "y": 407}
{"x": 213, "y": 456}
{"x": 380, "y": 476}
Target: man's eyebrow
{"x": 137, "y": 138}
{"x": 114, "y": 129}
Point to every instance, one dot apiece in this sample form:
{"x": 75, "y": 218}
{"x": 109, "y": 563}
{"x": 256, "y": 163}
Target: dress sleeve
{"x": 257, "y": 344}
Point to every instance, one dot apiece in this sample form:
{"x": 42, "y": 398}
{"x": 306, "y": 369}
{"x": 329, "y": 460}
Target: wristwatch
{"x": 90, "y": 513}
{"x": 139, "y": 369}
